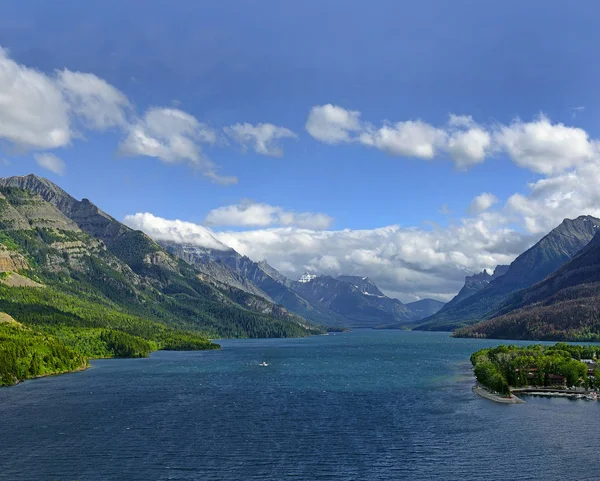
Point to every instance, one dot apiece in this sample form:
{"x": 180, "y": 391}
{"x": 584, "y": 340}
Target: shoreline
{"x": 554, "y": 392}
{"x": 487, "y": 394}
{"x": 51, "y": 374}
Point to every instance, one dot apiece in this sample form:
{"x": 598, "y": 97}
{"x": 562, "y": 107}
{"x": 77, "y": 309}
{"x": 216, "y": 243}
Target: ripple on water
{"x": 372, "y": 405}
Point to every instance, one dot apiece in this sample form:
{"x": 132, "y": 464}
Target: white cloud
{"x": 544, "y": 147}
{"x": 260, "y": 137}
{"x": 173, "y": 136}
{"x": 469, "y": 147}
{"x": 414, "y": 263}
{"x": 38, "y": 111}
{"x": 164, "y": 133}
{"x": 33, "y": 112}
{"x": 410, "y": 138}
{"x": 409, "y": 262}
{"x": 251, "y": 214}
{"x": 50, "y": 162}
{"x": 465, "y": 141}
{"x": 552, "y": 199}
{"x": 95, "y": 101}
{"x": 332, "y": 124}
{"x": 540, "y": 145}
{"x": 174, "y": 230}
{"x": 461, "y": 121}
{"x": 482, "y": 203}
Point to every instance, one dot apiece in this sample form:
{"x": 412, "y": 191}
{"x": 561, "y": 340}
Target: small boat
{"x": 264, "y": 364}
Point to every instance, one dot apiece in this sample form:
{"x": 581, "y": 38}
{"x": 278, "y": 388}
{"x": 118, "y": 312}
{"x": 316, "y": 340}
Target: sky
{"x": 413, "y": 142}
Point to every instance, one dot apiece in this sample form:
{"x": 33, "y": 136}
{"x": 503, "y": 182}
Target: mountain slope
{"x": 363, "y": 284}
{"x": 564, "y": 306}
{"x": 474, "y": 284}
{"x": 229, "y": 267}
{"x": 415, "y": 310}
{"x": 350, "y": 302}
{"x": 161, "y": 285}
{"x": 546, "y": 256}
{"x": 424, "y": 308}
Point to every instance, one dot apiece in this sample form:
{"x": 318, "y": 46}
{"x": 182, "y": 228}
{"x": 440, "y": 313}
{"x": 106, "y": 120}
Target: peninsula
{"x": 561, "y": 369}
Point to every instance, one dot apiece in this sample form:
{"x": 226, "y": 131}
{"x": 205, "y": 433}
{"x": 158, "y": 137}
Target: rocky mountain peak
{"x": 307, "y": 277}
{"x": 363, "y": 284}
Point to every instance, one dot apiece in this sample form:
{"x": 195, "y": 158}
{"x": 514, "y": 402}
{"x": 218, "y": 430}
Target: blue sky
{"x": 232, "y": 62}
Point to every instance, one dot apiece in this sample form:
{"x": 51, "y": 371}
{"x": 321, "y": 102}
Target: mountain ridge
{"x": 153, "y": 271}
{"x": 533, "y": 265}
{"x": 563, "y": 306}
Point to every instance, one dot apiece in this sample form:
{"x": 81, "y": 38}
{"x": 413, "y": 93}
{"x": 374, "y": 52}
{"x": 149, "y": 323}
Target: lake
{"x": 364, "y": 405}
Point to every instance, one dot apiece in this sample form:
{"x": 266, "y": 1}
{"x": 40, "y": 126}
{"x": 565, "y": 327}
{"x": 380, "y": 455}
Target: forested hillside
{"x": 81, "y": 299}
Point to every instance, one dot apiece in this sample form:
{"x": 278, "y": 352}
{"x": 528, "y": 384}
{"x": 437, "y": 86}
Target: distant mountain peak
{"x": 307, "y": 277}
{"x": 363, "y": 284}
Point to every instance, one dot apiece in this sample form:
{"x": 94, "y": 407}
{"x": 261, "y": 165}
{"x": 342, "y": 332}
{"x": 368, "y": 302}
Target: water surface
{"x": 368, "y": 405}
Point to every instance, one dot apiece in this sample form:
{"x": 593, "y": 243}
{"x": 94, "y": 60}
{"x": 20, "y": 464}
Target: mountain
{"x": 424, "y": 308}
{"x": 360, "y": 302}
{"x": 541, "y": 260}
{"x": 220, "y": 265}
{"x": 363, "y": 284}
{"x": 228, "y": 267}
{"x": 332, "y": 302}
{"x": 564, "y": 306}
{"x": 87, "y": 247}
{"x": 474, "y": 284}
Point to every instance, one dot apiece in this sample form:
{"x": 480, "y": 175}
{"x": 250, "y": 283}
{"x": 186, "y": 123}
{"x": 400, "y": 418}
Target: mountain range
{"x": 563, "y": 306}
{"x": 73, "y": 247}
{"x": 545, "y": 257}
{"x": 349, "y": 301}
{"x": 99, "y": 288}
{"x": 68, "y": 246}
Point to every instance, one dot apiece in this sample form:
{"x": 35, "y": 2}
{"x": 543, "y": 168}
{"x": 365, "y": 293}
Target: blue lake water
{"x": 365, "y": 405}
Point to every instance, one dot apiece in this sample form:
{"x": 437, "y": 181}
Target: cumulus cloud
{"x": 410, "y": 138}
{"x": 465, "y": 121}
{"x": 413, "y": 263}
{"x": 50, "y": 162}
{"x": 262, "y": 138}
{"x": 41, "y": 112}
{"x": 554, "y": 198}
{"x": 174, "y": 230}
{"x": 173, "y": 136}
{"x": 407, "y": 262}
{"x": 544, "y": 147}
{"x": 251, "y": 214}
{"x": 33, "y": 111}
{"x": 469, "y": 147}
{"x": 95, "y": 101}
{"x": 540, "y": 145}
{"x": 167, "y": 134}
{"x": 332, "y": 124}
{"x": 482, "y": 203}
{"x": 462, "y": 138}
